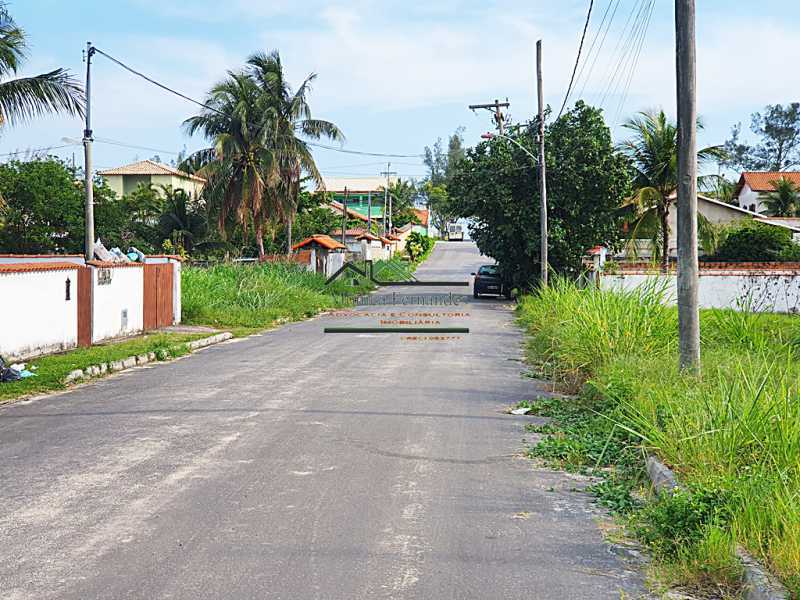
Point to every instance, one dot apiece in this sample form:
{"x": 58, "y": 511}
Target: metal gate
{"x": 158, "y": 281}
{"x": 84, "y": 303}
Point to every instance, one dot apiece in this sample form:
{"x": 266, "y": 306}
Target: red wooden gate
{"x": 84, "y": 307}
{"x": 158, "y": 280}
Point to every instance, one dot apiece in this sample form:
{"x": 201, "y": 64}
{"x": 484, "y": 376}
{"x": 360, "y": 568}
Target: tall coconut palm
{"x": 653, "y": 153}
{"x": 291, "y": 128}
{"x": 241, "y": 164}
{"x": 784, "y": 201}
{"x": 24, "y": 98}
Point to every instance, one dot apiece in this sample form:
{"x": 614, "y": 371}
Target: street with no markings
{"x": 297, "y": 464}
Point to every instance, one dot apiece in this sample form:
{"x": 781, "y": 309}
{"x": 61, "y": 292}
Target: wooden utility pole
{"x": 542, "y": 167}
{"x": 495, "y": 107}
{"x": 686, "y": 69}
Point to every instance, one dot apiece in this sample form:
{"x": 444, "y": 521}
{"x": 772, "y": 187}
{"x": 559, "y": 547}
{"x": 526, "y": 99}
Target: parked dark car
{"x": 489, "y": 281}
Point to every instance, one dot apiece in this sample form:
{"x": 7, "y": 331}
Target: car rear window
{"x": 488, "y": 270}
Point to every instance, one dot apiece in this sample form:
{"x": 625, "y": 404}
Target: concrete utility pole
{"x": 686, "y": 69}
{"x": 387, "y": 200}
{"x": 495, "y": 107}
{"x": 542, "y": 168}
{"x": 87, "y": 153}
{"x": 369, "y": 212}
{"x": 344, "y": 217}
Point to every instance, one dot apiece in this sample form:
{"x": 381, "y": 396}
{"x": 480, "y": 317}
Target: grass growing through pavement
{"x": 733, "y": 435}
{"x": 257, "y": 296}
{"x": 51, "y": 370}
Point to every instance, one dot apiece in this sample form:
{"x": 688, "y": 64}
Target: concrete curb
{"x": 758, "y": 583}
{"x": 142, "y": 359}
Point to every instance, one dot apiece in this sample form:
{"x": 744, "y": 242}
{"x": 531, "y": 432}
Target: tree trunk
{"x": 260, "y": 242}
{"x": 289, "y": 235}
{"x": 665, "y": 239}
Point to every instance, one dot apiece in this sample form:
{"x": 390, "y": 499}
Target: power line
{"x": 35, "y": 150}
{"x": 211, "y": 108}
{"x": 133, "y": 146}
{"x": 635, "y": 62}
{"x": 588, "y": 77}
{"x": 577, "y": 59}
{"x": 625, "y": 43}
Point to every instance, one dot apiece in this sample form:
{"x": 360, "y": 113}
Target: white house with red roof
{"x": 754, "y": 186}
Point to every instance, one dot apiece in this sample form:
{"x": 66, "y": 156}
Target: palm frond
{"x": 28, "y": 97}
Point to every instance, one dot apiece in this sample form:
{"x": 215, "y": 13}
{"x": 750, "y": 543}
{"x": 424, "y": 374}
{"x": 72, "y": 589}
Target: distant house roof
{"x": 150, "y": 167}
{"x": 349, "y": 232}
{"x": 356, "y": 185}
{"x": 325, "y": 241}
{"x": 761, "y": 181}
{"x": 337, "y": 206}
{"x": 422, "y": 214}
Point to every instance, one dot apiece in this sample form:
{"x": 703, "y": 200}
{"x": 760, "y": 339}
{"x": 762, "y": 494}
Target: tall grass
{"x": 255, "y": 296}
{"x": 735, "y": 429}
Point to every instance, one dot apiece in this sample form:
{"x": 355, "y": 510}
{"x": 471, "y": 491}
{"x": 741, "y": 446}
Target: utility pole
{"x": 686, "y": 70}
{"x": 344, "y": 217}
{"x": 387, "y": 199}
{"x": 495, "y": 107}
{"x": 87, "y": 152}
{"x": 369, "y": 212}
{"x": 542, "y": 168}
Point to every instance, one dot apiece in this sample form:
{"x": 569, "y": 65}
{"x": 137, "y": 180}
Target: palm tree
{"x": 653, "y": 153}
{"x": 241, "y": 165}
{"x": 180, "y": 222}
{"x": 23, "y": 98}
{"x": 292, "y": 126}
{"x": 785, "y": 200}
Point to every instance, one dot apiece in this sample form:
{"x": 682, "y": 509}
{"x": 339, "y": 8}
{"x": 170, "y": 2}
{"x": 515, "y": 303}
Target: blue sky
{"x": 394, "y": 75}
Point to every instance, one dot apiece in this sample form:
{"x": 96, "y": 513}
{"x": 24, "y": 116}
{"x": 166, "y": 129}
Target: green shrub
{"x": 754, "y": 241}
{"x": 419, "y": 246}
{"x": 679, "y": 519}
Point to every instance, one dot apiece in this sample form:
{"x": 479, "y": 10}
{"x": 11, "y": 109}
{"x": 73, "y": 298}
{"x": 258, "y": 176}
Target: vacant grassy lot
{"x": 51, "y": 370}
{"x": 257, "y": 296}
{"x": 733, "y": 434}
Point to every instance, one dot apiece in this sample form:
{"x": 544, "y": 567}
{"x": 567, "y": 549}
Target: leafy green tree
{"x": 778, "y": 146}
{"x": 404, "y": 195}
{"x": 784, "y": 201}
{"x": 43, "y": 205}
{"x": 653, "y": 154}
{"x": 43, "y": 208}
{"x": 496, "y": 185}
{"x": 24, "y": 98}
{"x": 442, "y": 210}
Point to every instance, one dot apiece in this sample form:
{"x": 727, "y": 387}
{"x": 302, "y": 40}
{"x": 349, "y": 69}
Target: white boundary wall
{"x": 35, "y": 316}
{"x": 764, "y": 291}
{"x": 117, "y": 306}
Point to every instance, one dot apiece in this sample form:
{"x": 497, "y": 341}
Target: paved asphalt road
{"x": 298, "y": 465}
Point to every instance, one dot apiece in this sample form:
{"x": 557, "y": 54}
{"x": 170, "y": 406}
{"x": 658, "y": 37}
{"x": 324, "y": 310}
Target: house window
{"x": 67, "y": 290}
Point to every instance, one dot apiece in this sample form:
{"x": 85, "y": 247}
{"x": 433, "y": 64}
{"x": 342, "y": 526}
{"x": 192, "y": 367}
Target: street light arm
{"x": 513, "y": 141}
